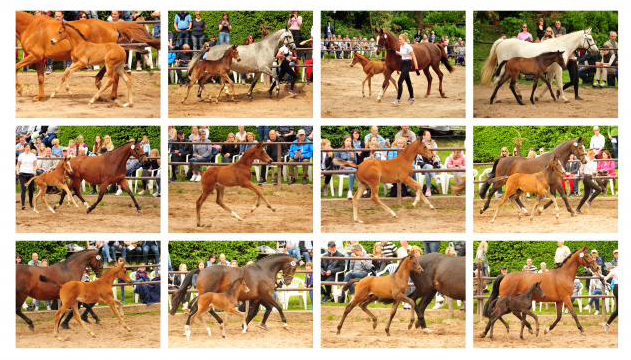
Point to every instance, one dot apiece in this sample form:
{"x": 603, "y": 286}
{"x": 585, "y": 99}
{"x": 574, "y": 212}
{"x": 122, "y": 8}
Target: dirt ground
{"x": 143, "y": 320}
{"x": 115, "y": 214}
{"x": 596, "y": 103}
{"x": 298, "y": 335}
{"x": 449, "y": 216}
{"x": 342, "y": 96}
{"x": 293, "y": 203}
{"x": 564, "y": 335}
{"x": 300, "y": 106}
{"x": 357, "y": 332}
{"x": 145, "y": 88}
{"x": 601, "y": 218}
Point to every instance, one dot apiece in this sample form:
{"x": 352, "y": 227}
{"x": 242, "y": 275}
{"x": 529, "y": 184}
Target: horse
{"x": 57, "y": 178}
{"x": 260, "y": 278}
{"x": 557, "y": 285}
{"x": 378, "y": 288}
{"x": 506, "y": 49}
{"x": 99, "y": 290}
{"x": 35, "y": 32}
{"x": 226, "y": 301}
{"x": 371, "y": 172}
{"x": 538, "y": 183}
{"x": 535, "y": 66}
{"x": 44, "y": 283}
{"x": 85, "y": 53}
{"x": 427, "y": 54}
{"x": 109, "y": 168}
{"x": 205, "y": 69}
{"x": 235, "y": 174}
{"x": 516, "y": 164}
{"x": 371, "y": 68}
{"x": 256, "y": 58}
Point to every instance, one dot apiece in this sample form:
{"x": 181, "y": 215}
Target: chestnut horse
{"x": 226, "y": 301}
{"x": 557, "y": 285}
{"x": 538, "y": 183}
{"x": 57, "y": 178}
{"x": 372, "y": 172}
{"x": 236, "y": 174}
{"x": 517, "y": 164}
{"x": 109, "y": 168}
{"x": 99, "y": 290}
{"x": 205, "y": 69}
{"x": 35, "y": 32}
{"x": 371, "y": 68}
{"x": 427, "y": 54}
{"x": 44, "y": 283}
{"x": 376, "y": 288}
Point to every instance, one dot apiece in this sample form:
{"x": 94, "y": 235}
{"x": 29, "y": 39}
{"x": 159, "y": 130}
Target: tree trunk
{"x": 419, "y": 19}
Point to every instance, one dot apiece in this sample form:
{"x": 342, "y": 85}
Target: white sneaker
{"x": 199, "y": 178}
{"x": 141, "y": 192}
{"x": 606, "y": 327}
{"x": 428, "y": 193}
{"x": 349, "y": 195}
{"x": 119, "y": 192}
{"x": 156, "y": 194}
{"x": 411, "y": 101}
{"x": 596, "y": 312}
{"x": 438, "y": 305}
{"x": 48, "y": 307}
{"x": 396, "y": 102}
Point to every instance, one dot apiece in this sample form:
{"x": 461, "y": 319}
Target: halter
{"x": 287, "y": 42}
{"x": 590, "y": 42}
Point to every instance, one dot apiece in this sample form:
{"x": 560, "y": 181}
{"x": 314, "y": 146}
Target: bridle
{"x": 290, "y": 44}
{"x": 590, "y": 42}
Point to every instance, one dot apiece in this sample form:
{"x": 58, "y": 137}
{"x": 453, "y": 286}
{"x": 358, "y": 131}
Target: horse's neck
{"x": 571, "y": 266}
{"x": 246, "y": 160}
{"x": 226, "y": 61}
{"x": 409, "y": 153}
{"x": 276, "y": 266}
{"x": 74, "y": 38}
{"x": 76, "y": 266}
{"x": 404, "y": 273}
{"x": 119, "y": 157}
{"x": 108, "y": 277}
{"x": 60, "y": 169}
{"x": 22, "y": 21}
{"x": 562, "y": 151}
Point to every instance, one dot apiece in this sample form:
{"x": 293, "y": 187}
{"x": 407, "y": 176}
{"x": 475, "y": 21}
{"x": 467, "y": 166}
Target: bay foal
{"x": 99, "y": 290}
{"x": 226, "y": 301}
{"x": 85, "y": 53}
{"x": 236, "y": 174}
{"x": 536, "y": 66}
{"x": 372, "y": 172}
{"x": 56, "y": 178}
{"x": 371, "y": 68}
{"x": 203, "y": 70}
{"x": 376, "y": 288}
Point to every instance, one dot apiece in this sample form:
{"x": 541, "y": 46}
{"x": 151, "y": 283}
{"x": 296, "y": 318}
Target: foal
{"x": 56, "y": 177}
{"x": 99, "y": 290}
{"x": 391, "y": 287}
{"x": 226, "y": 301}
{"x": 518, "y": 305}
{"x": 204, "y": 69}
{"x": 535, "y": 66}
{"x": 371, "y": 68}
{"x": 236, "y": 174}
{"x": 85, "y": 53}
{"x": 537, "y": 183}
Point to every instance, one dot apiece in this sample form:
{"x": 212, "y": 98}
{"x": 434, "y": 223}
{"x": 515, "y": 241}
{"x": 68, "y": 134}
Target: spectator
{"x": 300, "y": 152}
{"x": 431, "y": 246}
{"x": 358, "y": 143}
{"x": 18, "y": 258}
{"x": 51, "y": 133}
{"x": 145, "y": 144}
{"x": 375, "y": 153}
{"x": 329, "y": 30}
{"x": 25, "y": 169}
{"x": 222, "y": 260}
{"x": 98, "y": 144}
{"x": 428, "y": 164}
{"x": 377, "y": 252}
{"x": 606, "y": 61}
{"x": 104, "y": 248}
{"x": 228, "y": 151}
{"x": 198, "y": 29}
{"x": 595, "y": 289}
{"x": 224, "y": 29}
{"x": 293, "y": 248}
{"x": 203, "y": 151}
{"x": 329, "y": 268}
{"x": 182, "y": 59}
{"x": 503, "y": 270}
{"x": 432, "y": 37}
{"x": 249, "y": 139}
{"x": 529, "y": 267}
{"x": 309, "y": 278}
{"x": 182, "y": 26}
{"x": 263, "y": 132}
{"x": 389, "y": 249}
{"x": 107, "y": 143}
{"x": 406, "y": 133}
{"x": 179, "y": 152}
{"x": 548, "y": 34}
{"x": 614, "y": 262}
{"x": 558, "y": 29}
{"x": 241, "y": 135}
{"x": 326, "y": 163}
{"x": 612, "y": 43}
{"x": 294, "y": 24}
{"x": 306, "y": 250}
{"x": 524, "y": 35}
{"x": 47, "y": 163}
{"x": 154, "y": 247}
{"x": 211, "y": 260}
{"x": 286, "y": 133}
{"x": 374, "y": 132}
{"x": 358, "y": 269}
{"x": 275, "y": 153}
{"x": 348, "y": 156}
{"x": 460, "y": 51}
{"x": 612, "y": 134}
{"x": 151, "y": 165}
{"x": 404, "y": 249}
{"x": 562, "y": 252}
{"x": 571, "y": 168}
{"x": 34, "y": 260}
{"x": 481, "y": 259}
{"x": 606, "y": 167}
{"x": 234, "y": 263}
{"x": 457, "y": 161}
{"x": 134, "y": 251}
{"x": 541, "y": 29}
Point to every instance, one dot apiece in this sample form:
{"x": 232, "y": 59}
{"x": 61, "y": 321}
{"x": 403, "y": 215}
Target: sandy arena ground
{"x": 601, "y": 218}
{"x": 115, "y": 214}
{"x": 293, "y": 214}
{"x": 145, "y": 89}
{"x": 449, "y": 216}
{"x": 298, "y": 335}
{"x": 596, "y": 103}
{"x": 300, "y": 106}
{"x": 564, "y": 335}
{"x": 357, "y": 332}
{"x": 342, "y": 97}
{"x": 143, "y": 320}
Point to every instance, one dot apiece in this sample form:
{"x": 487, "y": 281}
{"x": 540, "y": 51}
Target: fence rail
{"x": 392, "y": 149}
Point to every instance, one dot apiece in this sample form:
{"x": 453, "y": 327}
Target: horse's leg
{"x": 505, "y": 198}
{"x": 534, "y": 208}
{"x": 498, "y": 86}
{"x": 522, "y": 316}
{"x": 88, "y": 310}
{"x": 387, "y": 73}
{"x": 123, "y": 184}
{"x": 118, "y": 315}
{"x": 200, "y": 201}
{"x": 568, "y": 304}
{"x": 364, "y": 307}
{"x": 268, "y": 298}
{"x": 42, "y": 194}
{"x": 534, "y": 316}
{"x": 259, "y": 194}
{"x": 128, "y": 82}
{"x": 489, "y": 196}
{"x": 223, "y": 85}
{"x": 440, "y": 79}
{"x": 356, "y": 198}
{"x": 67, "y": 192}
{"x": 393, "y": 312}
{"x": 394, "y": 83}
{"x": 253, "y": 309}
{"x": 367, "y": 78}
{"x": 99, "y": 77}
{"x": 58, "y": 315}
{"x": 419, "y": 192}
{"x": 559, "y": 305}
{"x": 549, "y": 87}
{"x": 266, "y": 314}
{"x": 108, "y": 83}
{"x": 412, "y": 304}
{"x": 535, "y": 83}
{"x": 429, "y": 80}
{"x": 74, "y": 67}
{"x": 220, "y": 190}
{"x": 559, "y": 79}
{"x": 19, "y": 300}
{"x": 559, "y": 189}
{"x": 102, "y": 190}
{"x": 242, "y": 314}
{"x": 556, "y": 207}
{"x": 257, "y": 76}
{"x": 420, "y": 309}
{"x": 512, "y": 88}
{"x": 77, "y": 317}
{"x": 217, "y": 318}
{"x": 191, "y": 83}
{"x": 28, "y": 60}
{"x": 374, "y": 196}
{"x": 115, "y": 78}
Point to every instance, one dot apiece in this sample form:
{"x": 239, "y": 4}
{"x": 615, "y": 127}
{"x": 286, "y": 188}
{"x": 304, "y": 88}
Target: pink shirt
{"x": 607, "y": 165}
{"x": 457, "y": 163}
{"x": 525, "y": 36}
{"x": 295, "y": 23}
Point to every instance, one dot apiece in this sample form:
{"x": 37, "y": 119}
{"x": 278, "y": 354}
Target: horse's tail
{"x": 180, "y": 294}
{"x": 489, "y": 306}
{"x": 348, "y": 284}
{"x": 500, "y": 178}
{"x": 31, "y": 179}
{"x": 340, "y": 162}
{"x": 489, "y": 65}
{"x": 137, "y": 33}
{"x": 488, "y": 181}
{"x": 499, "y": 68}
{"x": 444, "y": 58}
{"x": 194, "y": 61}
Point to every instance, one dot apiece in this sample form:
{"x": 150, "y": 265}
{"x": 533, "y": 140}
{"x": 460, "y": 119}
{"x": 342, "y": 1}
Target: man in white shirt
{"x": 597, "y": 142}
{"x": 561, "y": 253}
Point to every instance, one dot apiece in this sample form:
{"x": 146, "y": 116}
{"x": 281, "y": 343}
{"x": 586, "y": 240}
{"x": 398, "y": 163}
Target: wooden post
{"x": 479, "y": 292}
{"x": 279, "y": 153}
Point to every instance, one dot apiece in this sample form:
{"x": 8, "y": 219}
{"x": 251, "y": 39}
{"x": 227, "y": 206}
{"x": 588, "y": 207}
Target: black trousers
{"x": 405, "y": 76}
{"x": 285, "y": 69}
{"x": 614, "y": 314}
{"x": 24, "y": 178}
{"x": 589, "y": 184}
{"x": 572, "y": 68}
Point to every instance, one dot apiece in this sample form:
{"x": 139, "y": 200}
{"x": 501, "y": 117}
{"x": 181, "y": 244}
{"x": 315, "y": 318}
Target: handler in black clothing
{"x": 178, "y": 152}
{"x": 329, "y": 268}
{"x": 285, "y": 56}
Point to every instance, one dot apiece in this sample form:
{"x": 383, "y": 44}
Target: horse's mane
{"x": 399, "y": 267}
{"x": 75, "y": 29}
{"x": 549, "y": 53}
{"x": 117, "y": 148}
{"x": 270, "y": 258}
{"x": 568, "y": 257}
{"x": 388, "y": 40}
{"x": 72, "y": 257}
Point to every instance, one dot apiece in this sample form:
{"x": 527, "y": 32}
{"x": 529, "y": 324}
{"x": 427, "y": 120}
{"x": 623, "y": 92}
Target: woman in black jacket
{"x": 228, "y": 151}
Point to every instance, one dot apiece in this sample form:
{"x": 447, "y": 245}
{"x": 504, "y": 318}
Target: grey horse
{"x": 256, "y": 58}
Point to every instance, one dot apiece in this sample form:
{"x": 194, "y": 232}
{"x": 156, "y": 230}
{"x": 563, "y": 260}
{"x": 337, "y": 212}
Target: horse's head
{"x": 415, "y": 265}
{"x": 66, "y": 164}
{"x": 423, "y": 149}
{"x": 556, "y": 166}
{"x": 96, "y": 263}
{"x": 61, "y": 34}
{"x": 136, "y": 151}
{"x": 587, "y": 260}
{"x": 355, "y": 59}
{"x": 287, "y": 39}
{"x": 289, "y": 269}
{"x": 233, "y": 53}
{"x": 241, "y": 285}
{"x": 121, "y": 272}
{"x": 261, "y": 154}
{"x": 578, "y": 150}
{"x": 385, "y": 40}
{"x": 558, "y": 58}
{"x": 537, "y": 291}
{"x": 588, "y": 41}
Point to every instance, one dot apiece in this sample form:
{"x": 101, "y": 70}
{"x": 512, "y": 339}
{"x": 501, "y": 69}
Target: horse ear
{"x": 259, "y": 144}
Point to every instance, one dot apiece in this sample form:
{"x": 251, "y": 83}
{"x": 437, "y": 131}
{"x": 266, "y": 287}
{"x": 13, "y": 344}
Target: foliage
{"x": 488, "y": 140}
{"x": 53, "y": 251}
{"x": 336, "y": 133}
{"x": 513, "y": 254}
{"x": 246, "y": 23}
{"x": 369, "y": 245}
{"x": 119, "y": 134}
{"x": 192, "y": 252}
{"x": 220, "y": 133}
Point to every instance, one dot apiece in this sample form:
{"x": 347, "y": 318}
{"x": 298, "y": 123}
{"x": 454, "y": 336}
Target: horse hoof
{"x": 263, "y": 326}
{"x": 93, "y": 334}
{"x": 546, "y": 330}
{"x": 359, "y": 221}
{"x": 428, "y": 330}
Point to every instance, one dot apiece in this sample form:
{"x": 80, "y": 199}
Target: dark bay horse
{"x": 109, "y": 168}
{"x": 427, "y": 54}
{"x": 557, "y": 285}
{"x": 260, "y": 278}
{"x": 44, "y": 283}
{"x": 516, "y": 164}
{"x": 206, "y": 69}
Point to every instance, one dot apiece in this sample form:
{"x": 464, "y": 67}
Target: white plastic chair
{"x": 340, "y": 179}
{"x": 390, "y": 269}
{"x": 132, "y": 276}
{"x": 445, "y": 177}
{"x": 336, "y": 290}
{"x": 286, "y": 295}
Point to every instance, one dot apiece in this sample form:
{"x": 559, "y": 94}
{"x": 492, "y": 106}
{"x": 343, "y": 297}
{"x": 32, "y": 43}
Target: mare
{"x": 57, "y": 178}
{"x": 371, "y": 68}
{"x": 206, "y": 69}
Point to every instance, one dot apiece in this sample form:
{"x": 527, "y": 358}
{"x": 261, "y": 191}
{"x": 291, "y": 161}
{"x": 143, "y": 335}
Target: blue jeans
{"x": 596, "y": 300}
{"x": 198, "y": 41}
{"x": 295, "y": 252}
{"x": 307, "y": 256}
{"x": 428, "y": 176}
{"x": 223, "y": 38}
{"x": 351, "y": 178}
{"x": 106, "y": 253}
{"x": 145, "y": 252}
{"x": 431, "y": 246}
{"x": 194, "y": 166}
{"x": 182, "y": 38}
{"x": 354, "y": 275}
{"x": 263, "y": 133}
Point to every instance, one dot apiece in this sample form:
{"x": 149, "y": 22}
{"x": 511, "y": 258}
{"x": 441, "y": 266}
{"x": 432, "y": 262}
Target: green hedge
{"x": 192, "y": 252}
{"x": 488, "y": 140}
{"x": 513, "y": 254}
{"x": 245, "y": 23}
{"x": 220, "y": 133}
{"x": 53, "y": 251}
{"x": 369, "y": 245}
{"x": 119, "y": 134}
{"x": 336, "y": 133}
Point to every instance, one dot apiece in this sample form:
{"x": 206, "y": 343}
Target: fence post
{"x": 479, "y": 292}
{"x": 399, "y": 198}
{"x": 279, "y": 175}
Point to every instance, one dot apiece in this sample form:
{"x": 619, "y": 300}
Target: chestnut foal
{"x": 99, "y": 290}
{"x": 205, "y": 69}
{"x": 371, "y": 68}
{"x": 56, "y": 177}
{"x": 226, "y": 301}
{"x": 236, "y": 174}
